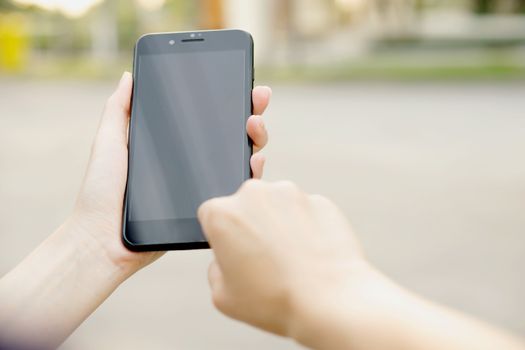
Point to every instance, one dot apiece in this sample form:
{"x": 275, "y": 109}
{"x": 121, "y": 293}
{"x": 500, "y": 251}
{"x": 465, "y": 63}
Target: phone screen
{"x": 188, "y": 141}
{"x": 188, "y": 132}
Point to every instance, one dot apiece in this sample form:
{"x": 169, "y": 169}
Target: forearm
{"x": 51, "y": 292}
{"x": 381, "y": 315}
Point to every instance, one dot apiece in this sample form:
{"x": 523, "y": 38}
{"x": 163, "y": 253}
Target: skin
{"x": 51, "y": 292}
{"x": 288, "y": 262}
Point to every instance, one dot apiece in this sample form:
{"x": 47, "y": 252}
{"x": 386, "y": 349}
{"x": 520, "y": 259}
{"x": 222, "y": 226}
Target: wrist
{"x": 55, "y": 288}
{"x": 344, "y": 312}
{"x": 90, "y": 250}
{"x": 100, "y": 233}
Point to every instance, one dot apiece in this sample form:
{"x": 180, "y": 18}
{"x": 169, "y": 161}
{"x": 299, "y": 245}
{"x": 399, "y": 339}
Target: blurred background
{"x": 322, "y": 39}
{"x": 408, "y": 113}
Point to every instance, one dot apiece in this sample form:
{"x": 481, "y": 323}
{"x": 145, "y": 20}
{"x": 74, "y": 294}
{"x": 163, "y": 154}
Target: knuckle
{"x": 321, "y": 200}
{"x": 251, "y": 185}
{"x": 211, "y": 223}
{"x": 215, "y": 213}
{"x": 213, "y": 275}
{"x": 288, "y": 187}
{"x": 208, "y": 211}
{"x": 204, "y": 209}
{"x": 219, "y": 301}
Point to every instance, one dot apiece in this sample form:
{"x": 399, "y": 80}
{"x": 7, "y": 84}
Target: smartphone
{"x": 187, "y": 135}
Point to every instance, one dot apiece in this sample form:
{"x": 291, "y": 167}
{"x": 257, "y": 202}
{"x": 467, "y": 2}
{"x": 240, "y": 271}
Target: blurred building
{"x": 320, "y": 30}
{"x": 286, "y": 32}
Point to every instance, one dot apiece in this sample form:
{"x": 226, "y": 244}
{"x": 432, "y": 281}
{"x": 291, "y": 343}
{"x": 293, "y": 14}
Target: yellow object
{"x": 13, "y": 42}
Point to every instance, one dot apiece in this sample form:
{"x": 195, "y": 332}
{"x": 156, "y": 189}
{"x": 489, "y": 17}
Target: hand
{"x": 287, "y": 262}
{"x": 98, "y": 212}
{"x": 278, "y": 249}
{"x": 52, "y": 291}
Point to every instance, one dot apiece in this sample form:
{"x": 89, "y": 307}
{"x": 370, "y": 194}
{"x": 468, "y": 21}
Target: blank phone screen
{"x": 188, "y": 132}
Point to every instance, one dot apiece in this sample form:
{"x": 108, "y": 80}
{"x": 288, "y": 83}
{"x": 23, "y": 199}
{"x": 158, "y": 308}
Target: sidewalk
{"x": 431, "y": 175}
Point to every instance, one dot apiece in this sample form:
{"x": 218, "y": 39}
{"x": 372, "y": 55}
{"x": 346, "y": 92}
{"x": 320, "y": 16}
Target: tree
{"x": 521, "y": 6}
{"x": 6, "y": 5}
{"x": 483, "y": 7}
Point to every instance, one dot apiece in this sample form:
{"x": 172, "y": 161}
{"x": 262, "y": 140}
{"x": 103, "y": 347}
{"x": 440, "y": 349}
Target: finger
{"x": 214, "y": 274}
{"x": 257, "y": 163}
{"x": 216, "y": 282}
{"x": 212, "y": 215}
{"x": 257, "y": 132}
{"x": 261, "y": 98}
{"x": 115, "y": 119}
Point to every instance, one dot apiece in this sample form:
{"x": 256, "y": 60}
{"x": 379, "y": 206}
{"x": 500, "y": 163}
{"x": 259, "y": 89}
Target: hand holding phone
{"x": 90, "y": 239}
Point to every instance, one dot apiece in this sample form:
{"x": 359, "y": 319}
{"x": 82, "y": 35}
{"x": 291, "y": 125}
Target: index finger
{"x": 260, "y": 99}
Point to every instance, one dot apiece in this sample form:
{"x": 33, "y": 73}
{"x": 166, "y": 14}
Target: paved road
{"x": 432, "y": 176}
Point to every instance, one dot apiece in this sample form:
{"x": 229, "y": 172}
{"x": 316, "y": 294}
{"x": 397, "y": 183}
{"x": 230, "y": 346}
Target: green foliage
{"x": 483, "y": 7}
{"x": 6, "y": 5}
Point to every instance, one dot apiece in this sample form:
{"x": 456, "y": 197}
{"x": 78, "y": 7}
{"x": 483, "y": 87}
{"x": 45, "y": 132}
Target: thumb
{"x": 115, "y": 119}
{"x": 105, "y": 180}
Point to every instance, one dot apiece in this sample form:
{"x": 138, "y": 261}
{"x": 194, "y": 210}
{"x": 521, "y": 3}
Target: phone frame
{"x": 194, "y": 41}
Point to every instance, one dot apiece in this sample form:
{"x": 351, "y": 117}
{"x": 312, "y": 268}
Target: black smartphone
{"x": 187, "y": 135}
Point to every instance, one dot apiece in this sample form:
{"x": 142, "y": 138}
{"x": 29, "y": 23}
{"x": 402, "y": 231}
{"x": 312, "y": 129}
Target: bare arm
{"x": 55, "y": 288}
{"x": 288, "y": 262}
{"x": 382, "y": 315}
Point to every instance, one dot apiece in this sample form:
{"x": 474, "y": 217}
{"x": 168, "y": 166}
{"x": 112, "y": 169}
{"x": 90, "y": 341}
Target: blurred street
{"x": 432, "y": 176}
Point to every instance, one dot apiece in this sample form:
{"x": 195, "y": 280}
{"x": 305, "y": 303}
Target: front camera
{"x": 192, "y": 35}
{"x": 172, "y": 42}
